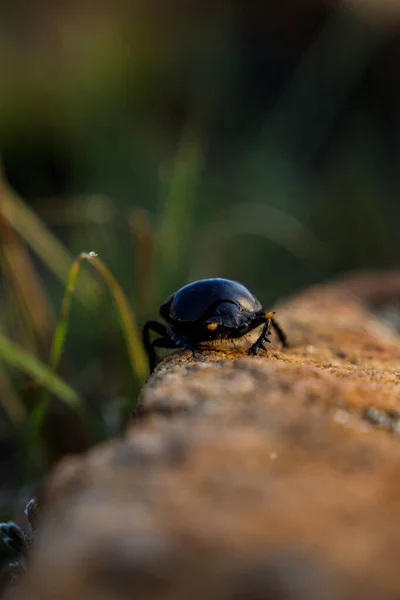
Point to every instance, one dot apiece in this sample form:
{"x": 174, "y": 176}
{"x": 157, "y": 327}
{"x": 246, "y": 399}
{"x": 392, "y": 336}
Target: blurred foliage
{"x": 178, "y": 140}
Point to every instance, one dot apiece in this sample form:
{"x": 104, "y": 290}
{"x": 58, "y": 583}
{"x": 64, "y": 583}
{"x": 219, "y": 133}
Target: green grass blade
{"x": 18, "y": 358}
{"x": 61, "y": 331}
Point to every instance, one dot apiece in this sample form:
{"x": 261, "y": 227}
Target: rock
{"x": 275, "y": 476}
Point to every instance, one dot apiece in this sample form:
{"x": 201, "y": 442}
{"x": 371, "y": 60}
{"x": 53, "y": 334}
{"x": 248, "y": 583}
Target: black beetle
{"x": 212, "y": 314}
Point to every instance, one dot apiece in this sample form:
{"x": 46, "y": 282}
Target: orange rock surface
{"x": 251, "y": 478}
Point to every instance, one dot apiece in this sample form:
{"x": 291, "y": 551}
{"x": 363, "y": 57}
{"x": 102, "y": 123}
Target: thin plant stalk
{"x": 128, "y": 322}
{"x": 127, "y": 318}
{"x": 61, "y": 331}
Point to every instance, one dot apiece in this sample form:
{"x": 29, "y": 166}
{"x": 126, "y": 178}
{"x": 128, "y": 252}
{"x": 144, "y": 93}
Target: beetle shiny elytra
{"x": 211, "y": 314}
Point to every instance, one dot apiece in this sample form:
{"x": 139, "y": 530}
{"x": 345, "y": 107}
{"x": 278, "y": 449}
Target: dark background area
{"x": 258, "y": 141}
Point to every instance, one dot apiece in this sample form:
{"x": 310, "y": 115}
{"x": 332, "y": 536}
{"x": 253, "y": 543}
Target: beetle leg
{"x": 262, "y": 342}
{"x": 180, "y": 343}
{"x": 164, "y": 342}
{"x": 259, "y": 343}
{"x": 281, "y": 334}
{"x": 148, "y": 345}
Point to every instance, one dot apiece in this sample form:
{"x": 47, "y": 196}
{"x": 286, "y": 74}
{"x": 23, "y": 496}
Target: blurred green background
{"x": 258, "y": 141}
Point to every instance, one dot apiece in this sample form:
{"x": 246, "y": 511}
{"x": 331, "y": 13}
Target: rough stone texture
{"x": 246, "y": 477}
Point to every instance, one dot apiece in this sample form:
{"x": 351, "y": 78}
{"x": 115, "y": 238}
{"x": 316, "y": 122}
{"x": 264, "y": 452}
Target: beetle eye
{"x": 212, "y": 326}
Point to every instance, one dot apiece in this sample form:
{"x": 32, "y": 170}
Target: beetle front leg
{"x": 258, "y": 344}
